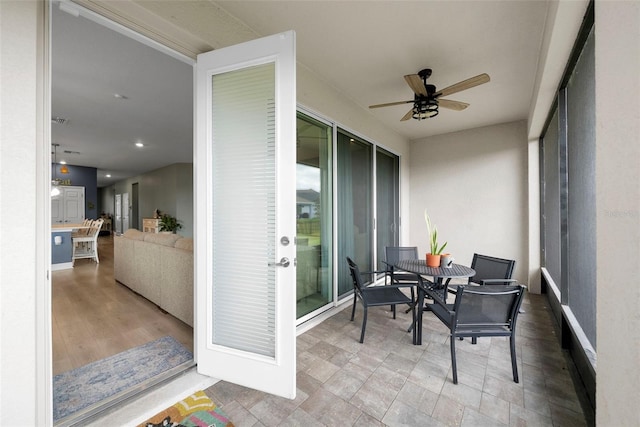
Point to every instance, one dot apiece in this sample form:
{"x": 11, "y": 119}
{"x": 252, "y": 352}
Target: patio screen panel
{"x": 551, "y": 202}
{"x": 581, "y": 159}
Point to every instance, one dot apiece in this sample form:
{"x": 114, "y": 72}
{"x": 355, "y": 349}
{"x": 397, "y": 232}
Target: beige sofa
{"x": 159, "y": 267}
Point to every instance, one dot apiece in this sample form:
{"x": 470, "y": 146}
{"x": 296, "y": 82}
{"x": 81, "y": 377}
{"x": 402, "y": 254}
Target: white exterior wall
{"x": 618, "y": 211}
{"x": 25, "y": 358}
{"x": 474, "y": 185}
{"x": 327, "y": 102}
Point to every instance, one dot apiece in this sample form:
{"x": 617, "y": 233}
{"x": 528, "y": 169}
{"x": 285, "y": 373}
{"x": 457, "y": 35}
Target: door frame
{"x": 133, "y": 27}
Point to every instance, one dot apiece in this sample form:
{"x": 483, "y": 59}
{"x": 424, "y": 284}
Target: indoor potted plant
{"x": 169, "y": 223}
{"x": 435, "y": 251}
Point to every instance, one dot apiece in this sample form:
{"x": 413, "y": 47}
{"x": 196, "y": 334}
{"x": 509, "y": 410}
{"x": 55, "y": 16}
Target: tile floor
{"x": 387, "y": 381}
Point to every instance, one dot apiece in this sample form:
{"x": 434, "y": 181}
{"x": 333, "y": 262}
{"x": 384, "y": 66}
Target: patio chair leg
{"x": 514, "y": 360}
{"x": 353, "y": 310}
{"x": 454, "y": 367}
{"x": 364, "y": 325}
{"x": 413, "y": 324}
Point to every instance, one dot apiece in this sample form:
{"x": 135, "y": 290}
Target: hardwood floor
{"x": 94, "y": 317}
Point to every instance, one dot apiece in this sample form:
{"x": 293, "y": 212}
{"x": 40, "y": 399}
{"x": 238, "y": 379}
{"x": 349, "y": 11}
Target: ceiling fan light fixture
{"x": 425, "y": 109}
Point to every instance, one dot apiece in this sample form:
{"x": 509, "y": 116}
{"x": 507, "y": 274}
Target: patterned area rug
{"x": 82, "y": 387}
{"x": 196, "y": 410}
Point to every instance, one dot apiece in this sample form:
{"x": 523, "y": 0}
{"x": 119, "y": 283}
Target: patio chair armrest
{"x": 494, "y": 281}
{"x": 373, "y": 272}
{"x": 444, "y": 312}
{"x": 398, "y": 286}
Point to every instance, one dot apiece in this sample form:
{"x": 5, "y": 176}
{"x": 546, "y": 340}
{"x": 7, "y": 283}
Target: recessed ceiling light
{"x": 139, "y": 144}
{"x": 108, "y": 175}
{"x": 120, "y": 96}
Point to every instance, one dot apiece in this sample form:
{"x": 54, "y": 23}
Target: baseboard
{"x": 61, "y": 266}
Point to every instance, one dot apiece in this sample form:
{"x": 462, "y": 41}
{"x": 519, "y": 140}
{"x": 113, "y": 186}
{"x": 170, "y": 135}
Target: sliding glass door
{"x": 387, "y": 202}
{"x": 355, "y": 207}
{"x": 364, "y": 221}
{"x": 314, "y": 207}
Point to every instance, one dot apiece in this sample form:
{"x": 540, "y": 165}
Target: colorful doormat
{"x": 196, "y": 410}
{"x": 82, "y": 387}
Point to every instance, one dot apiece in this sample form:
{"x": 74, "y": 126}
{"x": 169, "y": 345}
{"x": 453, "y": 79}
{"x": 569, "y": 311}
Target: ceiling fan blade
{"x": 388, "y": 104}
{"x": 452, "y": 105}
{"x": 416, "y": 84}
{"x": 464, "y": 85}
{"x": 407, "y": 116}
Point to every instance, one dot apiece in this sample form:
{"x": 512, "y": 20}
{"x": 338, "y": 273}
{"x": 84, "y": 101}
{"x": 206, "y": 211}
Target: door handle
{"x": 284, "y": 262}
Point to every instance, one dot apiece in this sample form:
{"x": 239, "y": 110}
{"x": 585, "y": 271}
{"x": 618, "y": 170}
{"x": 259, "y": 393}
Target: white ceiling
{"x": 364, "y": 48}
{"x": 361, "y": 48}
{"x": 90, "y": 64}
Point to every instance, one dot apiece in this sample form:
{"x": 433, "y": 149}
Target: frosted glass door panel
{"x": 244, "y": 316}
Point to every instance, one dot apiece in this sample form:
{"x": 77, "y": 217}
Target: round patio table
{"x": 419, "y": 268}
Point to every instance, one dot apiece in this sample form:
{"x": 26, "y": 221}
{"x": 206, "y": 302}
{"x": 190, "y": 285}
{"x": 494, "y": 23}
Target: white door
{"x": 245, "y": 214}
{"x": 118, "y": 209}
{"x": 125, "y": 211}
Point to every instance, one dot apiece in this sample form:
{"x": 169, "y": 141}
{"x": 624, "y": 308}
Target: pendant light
{"x": 55, "y": 182}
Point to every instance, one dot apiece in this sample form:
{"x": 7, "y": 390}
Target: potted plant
{"x": 435, "y": 251}
{"x": 169, "y": 223}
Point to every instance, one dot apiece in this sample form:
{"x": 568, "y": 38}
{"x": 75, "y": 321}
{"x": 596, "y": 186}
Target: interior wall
{"x": 617, "y": 26}
{"x": 106, "y": 200}
{"x": 169, "y": 189}
{"x": 474, "y": 185}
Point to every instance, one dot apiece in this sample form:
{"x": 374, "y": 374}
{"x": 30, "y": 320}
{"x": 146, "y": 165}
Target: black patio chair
{"x": 491, "y": 270}
{"x": 394, "y": 254}
{"x": 372, "y": 295}
{"x": 481, "y": 311}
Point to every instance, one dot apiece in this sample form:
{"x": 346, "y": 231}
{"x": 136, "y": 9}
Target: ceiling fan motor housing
{"x": 425, "y": 108}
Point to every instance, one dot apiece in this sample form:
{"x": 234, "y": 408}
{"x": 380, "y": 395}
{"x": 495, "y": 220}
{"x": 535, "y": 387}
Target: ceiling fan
{"x": 426, "y": 99}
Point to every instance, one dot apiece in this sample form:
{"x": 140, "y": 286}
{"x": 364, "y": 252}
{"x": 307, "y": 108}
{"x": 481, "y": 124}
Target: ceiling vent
{"x": 71, "y": 152}
{"x": 59, "y": 120}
